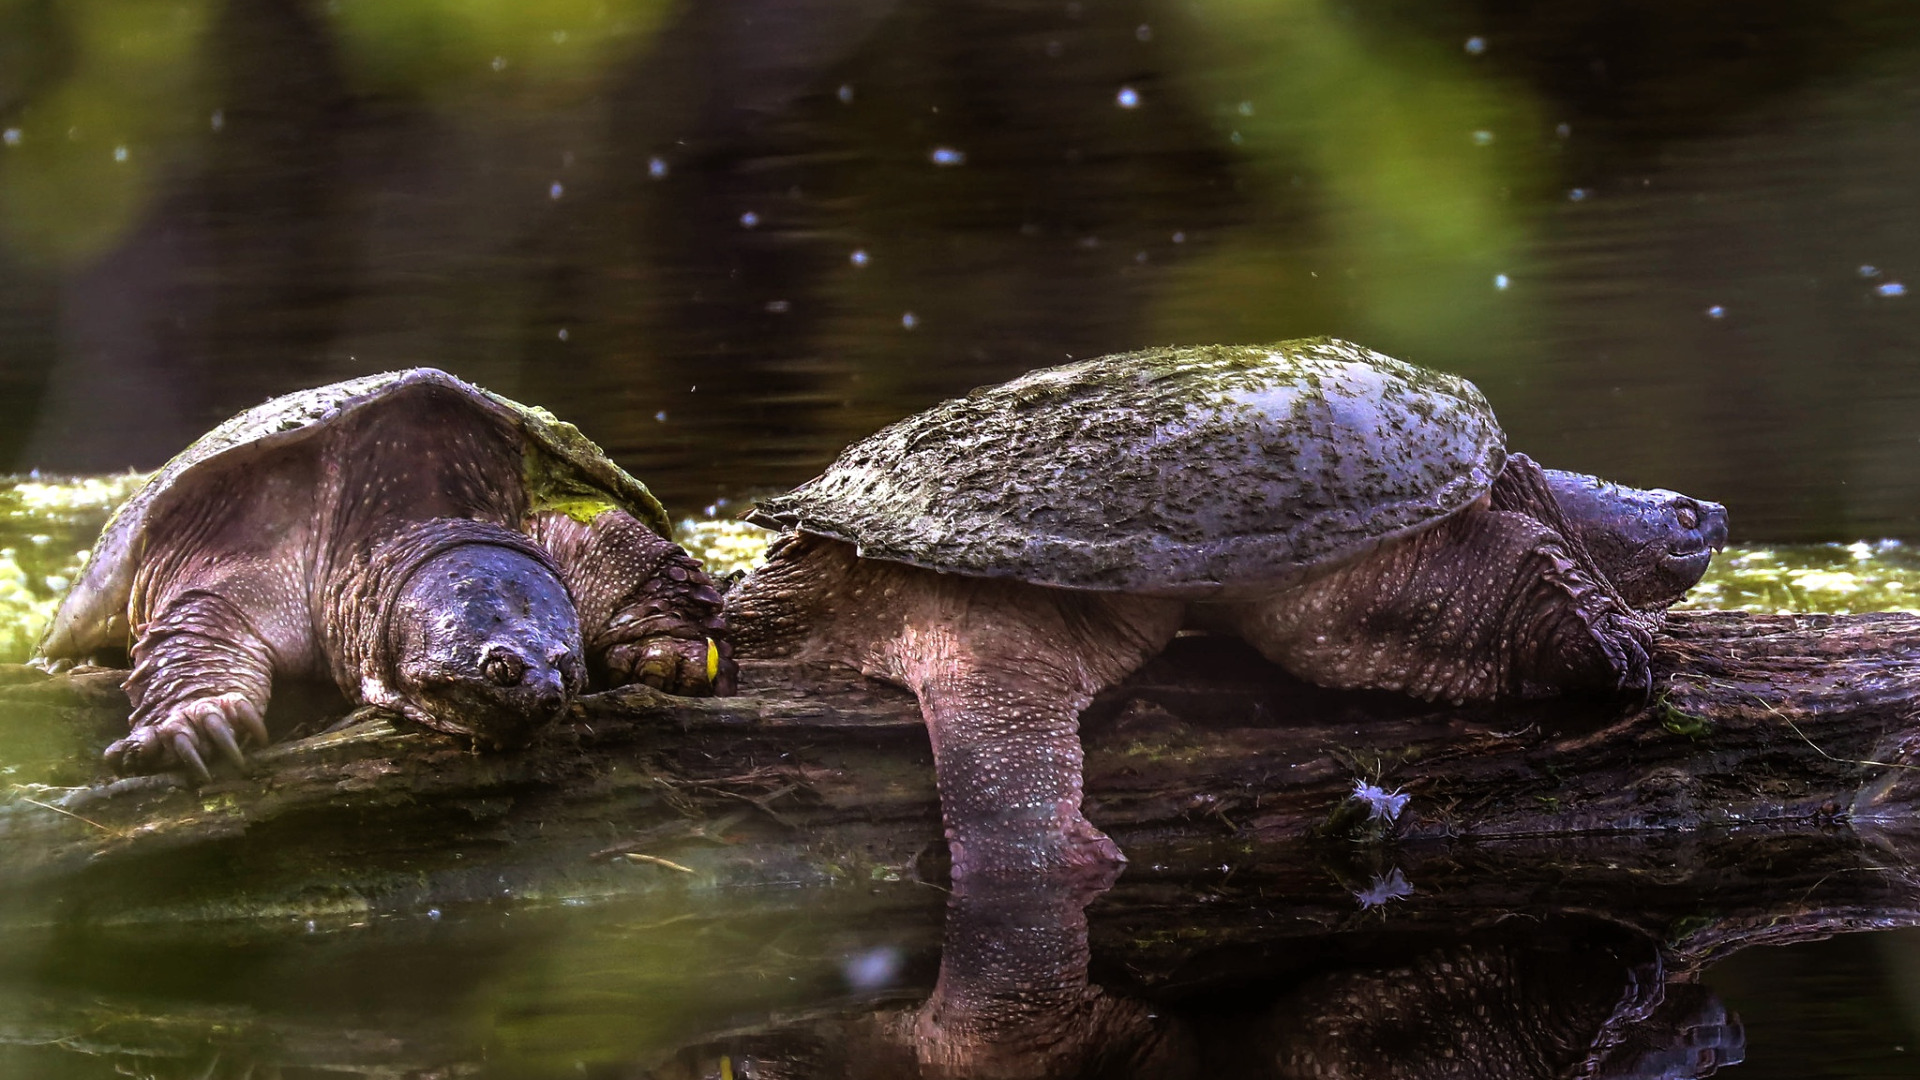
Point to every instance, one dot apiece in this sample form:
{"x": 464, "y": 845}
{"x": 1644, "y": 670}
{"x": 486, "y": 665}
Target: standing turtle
{"x": 431, "y": 547}
{"x": 1009, "y": 554}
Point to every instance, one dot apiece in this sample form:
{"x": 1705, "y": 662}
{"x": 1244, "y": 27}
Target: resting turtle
{"x": 1357, "y": 519}
{"x": 432, "y": 548}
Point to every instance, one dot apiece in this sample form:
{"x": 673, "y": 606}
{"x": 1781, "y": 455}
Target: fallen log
{"x": 814, "y": 775}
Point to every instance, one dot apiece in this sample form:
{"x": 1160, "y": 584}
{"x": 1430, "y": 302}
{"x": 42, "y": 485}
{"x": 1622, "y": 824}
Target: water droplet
{"x": 1143, "y": 32}
{"x": 1501, "y": 281}
{"x": 1716, "y": 312}
{"x": 1563, "y": 130}
{"x": 1246, "y": 108}
{"x": 1482, "y": 137}
{"x": 559, "y": 37}
{"x": 433, "y": 913}
{"x": 845, "y": 93}
{"x": 556, "y": 190}
{"x": 749, "y": 220}
{"x": 218, "y": 120}
{"x": 947, "y": 155}
{"x": 909, "y": 320}
{"x": 11, "y": 136}
{"x": 661, "y": 416}
{"x": 657, "y": 168}
{"x": 874, "y": 969}
{"x": 1234, "y": 138}
{"x": 1053, "y": 48}
{"x": 777, "y": 307}
{"x": 119, "y": 153}
{"x": 1179, "y": 238}
{"x": 1476, "y": 45}
{"x": 1891, "y": 288}
{"x": 1868, "y": 270}
{"x": 1577, "y": 194}
{"x": 858, "y": 258}
{"x": 563, "y": 333}
{"x": 499, "y": 63}
{"x": 1127, "y": 98}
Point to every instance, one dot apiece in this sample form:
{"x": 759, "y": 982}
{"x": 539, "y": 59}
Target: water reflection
{"x": 1598, "y": 958}
{"x": 1535, "y": 998}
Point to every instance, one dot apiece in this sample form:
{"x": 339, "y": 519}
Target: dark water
{"x": 1675, "y": 243}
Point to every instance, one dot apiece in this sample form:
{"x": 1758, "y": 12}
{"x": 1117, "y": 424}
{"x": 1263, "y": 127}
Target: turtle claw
{"x": 187, "y": 734}
{"x": 222, "y": 736}
{"x": 677, "y": 665}
{"x": 190, "y": 757}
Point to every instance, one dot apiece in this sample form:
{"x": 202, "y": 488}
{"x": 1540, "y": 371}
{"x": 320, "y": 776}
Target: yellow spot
{"x": 726, "y": 1067}
{"x": 713, "y": 660}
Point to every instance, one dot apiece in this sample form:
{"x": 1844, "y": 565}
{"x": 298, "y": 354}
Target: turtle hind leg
{"x": 1488, "y": 604}
{"x": 1003, "y": 671}
{"x": 200, "y": 684}
{"x": 648, "y": 612}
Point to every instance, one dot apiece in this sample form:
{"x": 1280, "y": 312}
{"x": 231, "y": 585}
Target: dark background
{"x": 206, "y": 202}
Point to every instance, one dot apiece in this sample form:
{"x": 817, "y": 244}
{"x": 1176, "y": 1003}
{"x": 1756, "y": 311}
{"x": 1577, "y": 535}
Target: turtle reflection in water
{"x": 1009, "y": 554}
{"x": 434, "y": 549}
{"x": 1525, "y": 999}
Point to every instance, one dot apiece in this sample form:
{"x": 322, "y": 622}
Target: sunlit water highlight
{"x": 48, "y": 524}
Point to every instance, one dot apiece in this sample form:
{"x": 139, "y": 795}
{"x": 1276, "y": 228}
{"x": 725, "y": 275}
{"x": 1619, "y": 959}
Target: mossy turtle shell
{"x": 561, "y": 470}
{"x": 1172, "y": 472}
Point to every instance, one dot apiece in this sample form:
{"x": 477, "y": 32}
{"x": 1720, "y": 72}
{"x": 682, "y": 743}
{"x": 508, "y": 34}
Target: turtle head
{"x": 1652, "y": 544}
{"x": 484, "y": 642}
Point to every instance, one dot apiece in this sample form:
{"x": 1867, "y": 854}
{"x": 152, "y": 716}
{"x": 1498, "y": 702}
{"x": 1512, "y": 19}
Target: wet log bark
{"x": 1775, "y": 722}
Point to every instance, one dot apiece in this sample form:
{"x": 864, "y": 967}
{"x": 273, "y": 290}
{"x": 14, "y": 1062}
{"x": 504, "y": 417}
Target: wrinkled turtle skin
{"x": 1008, "y": 554}
{"x": 430, "y": 547}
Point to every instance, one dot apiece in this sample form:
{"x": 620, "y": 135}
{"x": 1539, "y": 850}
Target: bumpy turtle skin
{"x": 648, "y": 612}
{"x": 1653, "y": 545}
{"x": 557, "y": 467}
{"x": 1008, "y": 555}
{"x": 1171, "y": 472}
{"x": 1002, "y": 671}
{"x": 1487, "y": 604}
{"x": 285, "y": 557}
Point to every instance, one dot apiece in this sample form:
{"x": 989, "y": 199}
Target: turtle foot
{"x": 1070, "y": 847}
{"x": 672, "y": 636}
{"x": 189, "y": 733}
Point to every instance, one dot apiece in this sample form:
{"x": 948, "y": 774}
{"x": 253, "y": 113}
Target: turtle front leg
{"x": 1488, "y": 604}
{"x": 200, "y": 683}
{"x": 648, "y": 612}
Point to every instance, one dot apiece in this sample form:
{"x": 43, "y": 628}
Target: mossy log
{"x": 1782, "y": 722}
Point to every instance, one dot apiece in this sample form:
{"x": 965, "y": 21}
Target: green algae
{"x": 48, "y": 524}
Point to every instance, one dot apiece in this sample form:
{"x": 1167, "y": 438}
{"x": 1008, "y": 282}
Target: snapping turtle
{"x": 1009, "y": 554}
{"x": 432, "y": 548}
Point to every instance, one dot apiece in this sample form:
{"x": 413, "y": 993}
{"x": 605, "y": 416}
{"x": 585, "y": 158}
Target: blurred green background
{"x": 1670, "y": 240}
{"x": 1673, "y": 241}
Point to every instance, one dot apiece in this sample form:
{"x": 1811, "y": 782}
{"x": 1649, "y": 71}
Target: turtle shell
{"x": 1174, "y": 472}
{"x": 563, "y": 470}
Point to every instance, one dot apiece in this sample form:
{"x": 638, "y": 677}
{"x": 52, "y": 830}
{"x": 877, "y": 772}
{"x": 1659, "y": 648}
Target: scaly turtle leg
{"x": 648, "y": 612}
{"x": 1002, "y": 670}
{"x": 200, "y": 683}
{"x": 1491, "y": 603}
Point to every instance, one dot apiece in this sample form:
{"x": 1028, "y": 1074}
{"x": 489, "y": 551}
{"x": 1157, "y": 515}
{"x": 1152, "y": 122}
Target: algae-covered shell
{"x": 1172, "y": 471}
{"x": 562, "y": 470}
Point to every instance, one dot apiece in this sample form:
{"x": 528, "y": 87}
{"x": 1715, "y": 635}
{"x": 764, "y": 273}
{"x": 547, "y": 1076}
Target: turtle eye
{"x": 1689, "y": 517}
{"x": 503, "y": 668}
